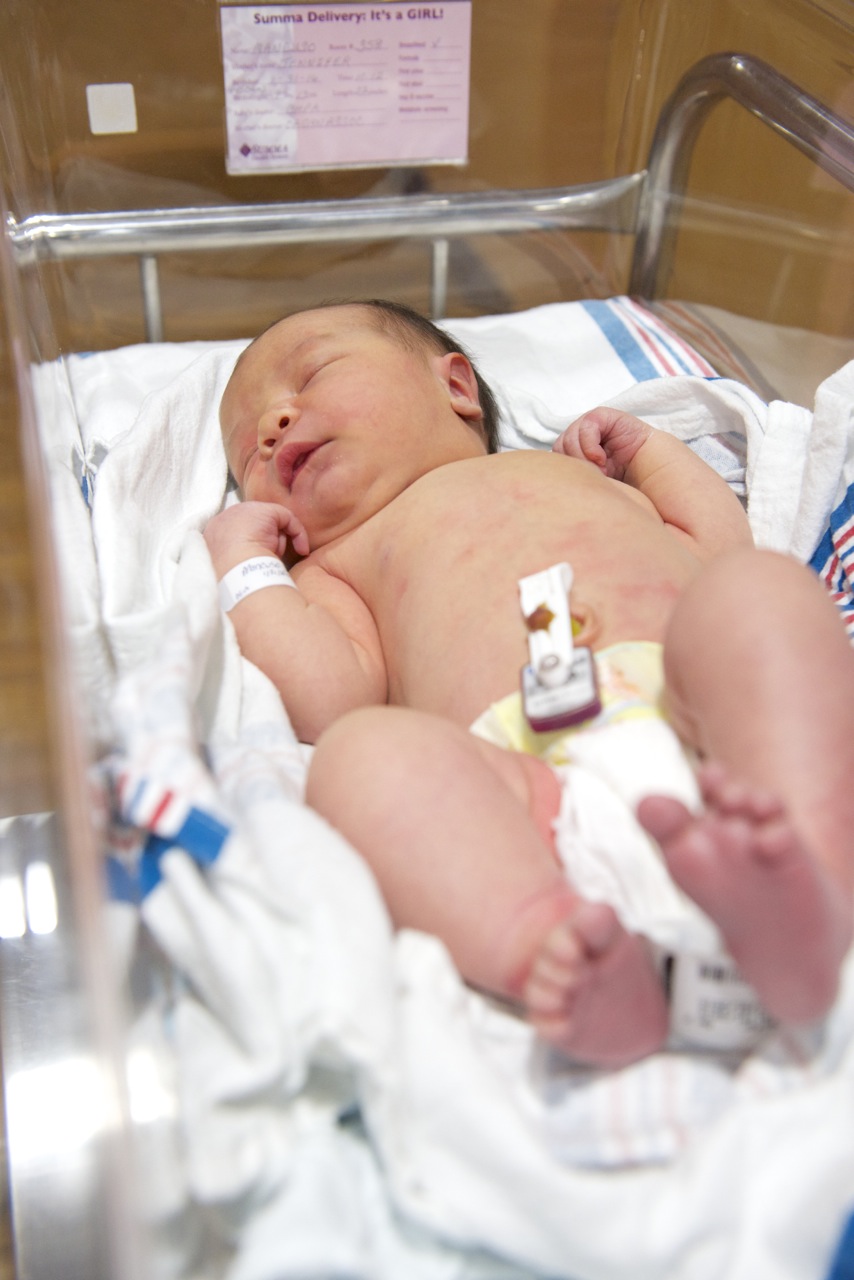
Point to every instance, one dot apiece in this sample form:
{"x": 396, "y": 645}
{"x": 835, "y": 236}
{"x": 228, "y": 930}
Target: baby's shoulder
{"x": 539, "y": 465}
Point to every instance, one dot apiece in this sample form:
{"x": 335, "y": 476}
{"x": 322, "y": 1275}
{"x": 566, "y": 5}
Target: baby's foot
{"x": 593, "y": 991}
{"x": 785, "y": 922}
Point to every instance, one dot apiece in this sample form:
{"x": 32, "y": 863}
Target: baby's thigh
{"x": 378, "y": 765}
{"x": 533, "y": 782}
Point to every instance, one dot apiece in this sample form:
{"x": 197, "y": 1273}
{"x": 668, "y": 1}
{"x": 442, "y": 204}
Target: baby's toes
{"x": 562, "y": 946}
{"x": 712, "y": 779}
{"x": 766, "y": 807}
{"x": 731, "y": 796}
{"x": 554, "y": 1028}
{"x": 596, "y": 927}
{"x": 547, "y": 995}
{"x": 543, "y": 999}
{"x": 775, "y": 841}
{"x": 556, "y": 972}
{"x": 663, "y": 817}
{"x": 560, "y": 957}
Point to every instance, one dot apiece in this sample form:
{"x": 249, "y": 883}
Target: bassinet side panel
{"x": 70, "y": 1205}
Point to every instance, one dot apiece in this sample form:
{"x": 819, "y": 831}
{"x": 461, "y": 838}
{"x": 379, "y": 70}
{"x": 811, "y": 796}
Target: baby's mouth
{"x": 293, "y": 458}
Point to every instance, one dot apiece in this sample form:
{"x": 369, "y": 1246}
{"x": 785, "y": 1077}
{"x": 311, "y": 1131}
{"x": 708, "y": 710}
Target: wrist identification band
{"x": 252, "y": 575}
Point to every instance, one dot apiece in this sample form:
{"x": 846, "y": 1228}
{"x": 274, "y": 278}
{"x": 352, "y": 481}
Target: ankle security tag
{"x": 559, "y": 684}
{"x": 711, "y": 1006}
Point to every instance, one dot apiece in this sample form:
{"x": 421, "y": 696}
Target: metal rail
{"x": 802, "y": 120}
{"x": 647, "y": 203}
{"x": 148, "y": 233}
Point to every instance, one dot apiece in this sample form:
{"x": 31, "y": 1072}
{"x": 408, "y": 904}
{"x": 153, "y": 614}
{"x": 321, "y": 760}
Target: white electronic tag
{"x": 560, "y": 706}
{"x": 559, "y": 687}
{"x": 711, "y": 1006}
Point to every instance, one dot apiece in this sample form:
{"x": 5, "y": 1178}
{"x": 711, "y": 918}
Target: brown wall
{"x": 563, "y": 91}
{"x": 539, "y": 117}
{"x": 768, "y": 235}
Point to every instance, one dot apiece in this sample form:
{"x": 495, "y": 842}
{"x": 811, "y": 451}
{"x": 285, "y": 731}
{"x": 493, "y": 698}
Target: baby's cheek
{"x": 255, "y": 488}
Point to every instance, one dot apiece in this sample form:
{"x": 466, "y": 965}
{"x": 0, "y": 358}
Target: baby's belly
{"x": 448, "y": 607}
{"x": 468, "y": 657}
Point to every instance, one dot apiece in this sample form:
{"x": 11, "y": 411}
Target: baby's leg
{"x": 458, "y": 834}
{"x": 761, "y": 679}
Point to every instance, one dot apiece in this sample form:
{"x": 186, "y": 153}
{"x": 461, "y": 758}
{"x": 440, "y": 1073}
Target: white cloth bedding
{"x": 348, "y": 1106}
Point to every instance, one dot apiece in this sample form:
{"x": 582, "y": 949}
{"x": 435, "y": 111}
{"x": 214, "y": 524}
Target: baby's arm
{"x": 689, "y": 496}
{"x": 318, "y": 644}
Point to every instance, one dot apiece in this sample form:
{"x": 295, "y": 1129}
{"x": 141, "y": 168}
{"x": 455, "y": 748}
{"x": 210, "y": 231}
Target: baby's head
{"x": 415, "y": 333}
{"x": 334, "y": 411}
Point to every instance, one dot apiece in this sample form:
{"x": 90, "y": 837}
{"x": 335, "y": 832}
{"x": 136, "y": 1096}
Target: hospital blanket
{"x": 348, "y": 1106}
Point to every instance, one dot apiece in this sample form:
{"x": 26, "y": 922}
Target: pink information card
{"x": 344, "y": 85}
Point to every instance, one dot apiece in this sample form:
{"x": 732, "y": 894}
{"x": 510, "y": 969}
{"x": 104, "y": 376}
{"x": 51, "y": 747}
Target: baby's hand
{"x": 606, "y": 437}
{"x": 253, "y": 529}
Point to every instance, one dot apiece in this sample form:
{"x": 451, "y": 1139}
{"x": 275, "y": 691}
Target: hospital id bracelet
{"x": 252, "y": 575}
{"x": 711, "y": 1006}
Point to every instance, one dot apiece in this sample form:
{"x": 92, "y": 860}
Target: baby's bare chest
{"x": 468, "y": 532}
{"x": 439, "y": 570}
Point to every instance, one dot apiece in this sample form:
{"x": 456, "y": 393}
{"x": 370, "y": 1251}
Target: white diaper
{"x": 606, "y": 853}
{"x": 607, "y": 765}
{"x": 623, "y": 755}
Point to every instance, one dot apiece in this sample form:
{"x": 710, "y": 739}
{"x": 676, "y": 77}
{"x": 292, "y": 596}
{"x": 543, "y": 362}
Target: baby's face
{"x": 331, "y": 418}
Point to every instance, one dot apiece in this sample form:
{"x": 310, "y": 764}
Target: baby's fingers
{"x": 590, "y": 442}
{"x": 291, "y": 528}
{"x": 567, "y": 442}
{"x": 582, "y": 439}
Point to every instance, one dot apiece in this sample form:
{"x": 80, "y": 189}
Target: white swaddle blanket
{"x": 349, "y": 1107}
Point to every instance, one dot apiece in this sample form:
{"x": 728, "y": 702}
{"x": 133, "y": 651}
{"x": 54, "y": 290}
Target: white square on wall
{"x": 112, "y": 108}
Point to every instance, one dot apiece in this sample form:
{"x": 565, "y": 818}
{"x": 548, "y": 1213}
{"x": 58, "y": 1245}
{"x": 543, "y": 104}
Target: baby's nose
{"x": 271, "y": 425}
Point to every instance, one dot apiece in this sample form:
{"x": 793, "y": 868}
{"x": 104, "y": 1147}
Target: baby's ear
{"x": 458, "y": 376}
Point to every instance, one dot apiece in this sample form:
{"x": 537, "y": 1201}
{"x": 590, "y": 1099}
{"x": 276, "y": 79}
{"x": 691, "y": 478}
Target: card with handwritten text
{"x": 345, "y": 85}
